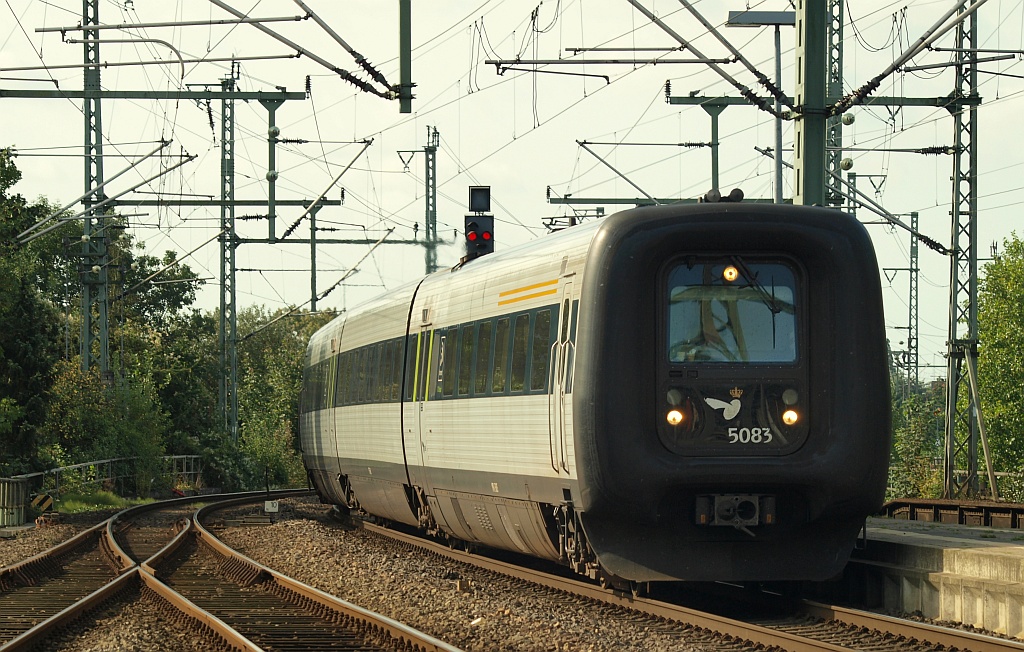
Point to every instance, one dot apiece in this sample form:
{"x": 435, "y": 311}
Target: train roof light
{"x": 730, "y": 273}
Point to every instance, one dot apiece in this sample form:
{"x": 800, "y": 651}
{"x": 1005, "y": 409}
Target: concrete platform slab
{"x": 970, "y": 575}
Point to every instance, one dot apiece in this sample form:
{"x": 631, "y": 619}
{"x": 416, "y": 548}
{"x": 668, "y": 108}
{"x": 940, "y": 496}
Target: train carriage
{"x": 671, "y": 393}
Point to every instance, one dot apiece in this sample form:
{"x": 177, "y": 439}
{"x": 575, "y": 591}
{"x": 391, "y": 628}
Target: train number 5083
{"x": 750, "y": 435}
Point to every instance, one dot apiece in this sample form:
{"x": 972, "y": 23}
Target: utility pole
{"x": 809, "y": 147}
{"x": 430, "y": 241}
{"x": 430, "y": 174}
{"x": 94, "y": 266}
{"x": 913, "y": 360}
{"x": 834, "y": 124}
{"x": 405, "y": 85}
{"x": 228, "y": 397}
{"x": 907, "y": 359}
{"x": 95, "y": 258}
{"x": 964, "y": 422}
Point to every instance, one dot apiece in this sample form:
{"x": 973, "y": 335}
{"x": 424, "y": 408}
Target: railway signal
{"x": 479, "y": 235}
{"x": 479, "y": 223}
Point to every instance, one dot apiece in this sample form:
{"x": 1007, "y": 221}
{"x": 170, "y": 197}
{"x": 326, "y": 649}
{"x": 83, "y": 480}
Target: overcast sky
{"x": 515, "y": 132}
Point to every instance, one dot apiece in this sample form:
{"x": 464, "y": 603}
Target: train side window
{"x": 466, "y": 359}
{"x": 360, "y": 377}
{"x": 383, "y": 371}
{"x": 395, "y": 380}
{"x": 388, "y": 375}
{"x": 448, "y": 372}
{"x": 431, "y": 357}
{"x": 483, "y": 358}
{"x": 500, "y": 375}
{"x": 520, "y": 342}
{"x": 311, "y": 388}
{"x": 541, "y": 351}
{"x": 324, "y": 374}
{"x": 339, "y": 386}
{"x": 409, "y": 369}
{"x": 371, "y": 363}
{"x": 353, "y": 369}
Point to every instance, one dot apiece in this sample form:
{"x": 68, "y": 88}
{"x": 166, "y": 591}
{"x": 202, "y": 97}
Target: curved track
{"x": 123, "y": 557}
{"x": 805, "y": 626}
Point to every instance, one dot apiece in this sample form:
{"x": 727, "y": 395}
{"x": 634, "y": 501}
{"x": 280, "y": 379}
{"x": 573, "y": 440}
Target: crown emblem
{"x": 735, "y": 392}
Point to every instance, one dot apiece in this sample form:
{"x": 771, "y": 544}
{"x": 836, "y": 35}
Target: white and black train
{"x": 671, "y": 393}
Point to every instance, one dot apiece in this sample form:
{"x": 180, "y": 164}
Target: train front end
{"x": 732, "y": 401}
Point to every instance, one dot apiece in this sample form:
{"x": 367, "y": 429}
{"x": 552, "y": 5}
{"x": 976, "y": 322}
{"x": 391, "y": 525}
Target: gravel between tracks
{"x": 464, "y": 607}
{"x": 133, "y": 625}
{"x": 33, "y": 541}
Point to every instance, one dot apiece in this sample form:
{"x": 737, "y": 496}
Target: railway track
{"x": 800, "y": 626}
{"x": 43, "y": 585}
{"x": 229, "y": 601}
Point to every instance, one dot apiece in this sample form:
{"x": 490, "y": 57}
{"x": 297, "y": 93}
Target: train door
{"x": 421, "y": 344}
{"x": 562, "y": 355}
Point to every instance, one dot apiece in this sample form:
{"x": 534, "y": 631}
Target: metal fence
{"x": 13, "y": 497}
{"x": 112, "y": 474}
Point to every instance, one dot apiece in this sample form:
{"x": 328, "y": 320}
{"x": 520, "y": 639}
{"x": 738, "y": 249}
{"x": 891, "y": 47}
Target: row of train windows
{"x": 369, "y": 374}
{"x": 510, "y": 354}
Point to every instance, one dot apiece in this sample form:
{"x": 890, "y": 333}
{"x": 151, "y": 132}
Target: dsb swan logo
{"x": 730, "y": 409}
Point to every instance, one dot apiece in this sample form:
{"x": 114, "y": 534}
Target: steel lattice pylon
{"x": 964, "y": 422}
{"x": 95, "y": 346}
{"x": 430, "y": 154}
{"x": 228, "y": 245}
{"x": 834, "y": 124}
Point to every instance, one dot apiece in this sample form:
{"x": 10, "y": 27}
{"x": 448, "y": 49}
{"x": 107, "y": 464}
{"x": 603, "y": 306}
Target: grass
{"x": 75, "y": 503}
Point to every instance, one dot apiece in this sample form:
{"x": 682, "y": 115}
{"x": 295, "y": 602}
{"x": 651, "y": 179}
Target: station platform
{"x": 956, "y": 573}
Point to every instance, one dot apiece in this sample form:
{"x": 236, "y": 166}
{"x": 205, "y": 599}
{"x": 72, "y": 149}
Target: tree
{"x": 1001, "y": 365}
{"x": 88, "y": 420}
{"x": 157, "y": 301}
{"x": 270, "y": 356}
{"x": 29, "y": 322}
{"x": 915, "y": 469}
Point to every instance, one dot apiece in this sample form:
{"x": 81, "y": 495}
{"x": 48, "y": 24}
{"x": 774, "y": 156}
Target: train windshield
{"x": 732, "y": 310}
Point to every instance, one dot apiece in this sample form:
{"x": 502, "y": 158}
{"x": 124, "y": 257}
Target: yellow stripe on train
{"x": 527, "y": 288}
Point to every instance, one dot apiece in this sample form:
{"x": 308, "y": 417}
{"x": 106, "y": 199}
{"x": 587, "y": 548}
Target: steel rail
{"x": 127, "y": 568}
{"x": 24, "y": 572}
{"x": 220, "y": 629}
{"x": 755, "y": 634}
{"x": 32, "y": 638}
{"x": 399, "y": 632}
{"x": 924, "y": 633}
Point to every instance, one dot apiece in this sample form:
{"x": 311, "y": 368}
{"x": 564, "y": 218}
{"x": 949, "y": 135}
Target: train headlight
{"x": 730, "y": 273}
{"x": 790, "y": 417}
{"x": 674, "y": 417}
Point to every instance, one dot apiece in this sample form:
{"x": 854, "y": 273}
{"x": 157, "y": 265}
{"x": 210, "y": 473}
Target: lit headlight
{"x": 790, "y": 417}
{"x": 730, "y": 273}
{"x": 674, "y": 417}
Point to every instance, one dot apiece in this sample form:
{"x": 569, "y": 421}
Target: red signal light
{"x": 486, "y": 235}
{"x": 471, "y": 236}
